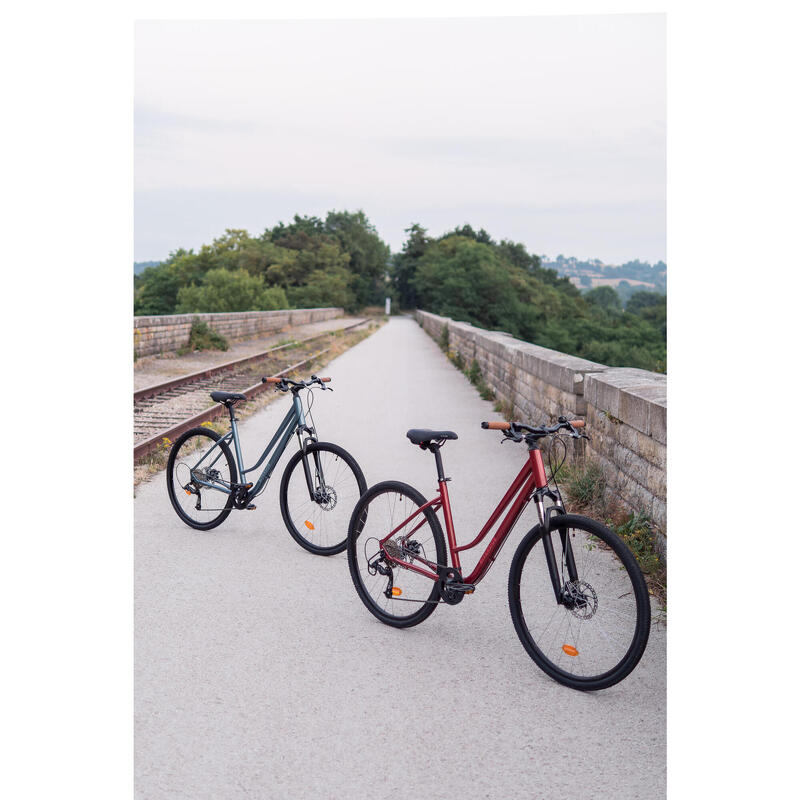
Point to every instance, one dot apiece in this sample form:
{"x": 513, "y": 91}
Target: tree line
{"x": 463, "y": 274}
{"x": 468, "y": 276}
{"x": 338, "y": 261}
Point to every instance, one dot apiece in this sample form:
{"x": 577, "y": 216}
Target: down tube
{"x": 288, "y": 427}
{"x": 492, "y": 550}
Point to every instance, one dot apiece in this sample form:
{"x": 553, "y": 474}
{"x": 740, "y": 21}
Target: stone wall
{"x": 625, "y": 409}
{"x": 162, "y": 334}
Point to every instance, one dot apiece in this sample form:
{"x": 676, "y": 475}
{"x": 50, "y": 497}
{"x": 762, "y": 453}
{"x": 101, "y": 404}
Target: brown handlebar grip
{"x": 577, "y": 423}
{"x": 325, "y": 380}
{"x": 497, "y": 426}
{"x": 272, "y": 380}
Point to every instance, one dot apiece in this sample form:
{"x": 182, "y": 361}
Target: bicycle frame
{"x": 293, "y": 422}
{"x": 531, "y": 482}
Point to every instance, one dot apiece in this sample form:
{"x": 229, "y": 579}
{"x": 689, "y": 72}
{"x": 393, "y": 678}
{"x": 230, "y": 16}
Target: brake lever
{"x": 576, "y": 435}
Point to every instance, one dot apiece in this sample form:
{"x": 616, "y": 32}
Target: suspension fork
{"x": 544, "y": 521}
{"x": 306, "y": 469}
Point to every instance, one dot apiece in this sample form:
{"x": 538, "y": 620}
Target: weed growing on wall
{"x": 202, "y": 337}
{"x": 584, "y": 485}
{"x": 444, "y": 339}
{"x": 473, "y": 373}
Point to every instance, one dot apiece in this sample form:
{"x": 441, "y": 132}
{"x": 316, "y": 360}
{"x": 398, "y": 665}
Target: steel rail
{"x": 160, "y": 388}
{"x": 146, "y": 446}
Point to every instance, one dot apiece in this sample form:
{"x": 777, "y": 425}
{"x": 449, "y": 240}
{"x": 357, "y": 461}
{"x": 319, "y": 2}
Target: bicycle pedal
{"x": 251, "y": 507}
{"x": 467, "y": 588}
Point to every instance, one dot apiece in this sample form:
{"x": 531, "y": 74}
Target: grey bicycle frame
{"x": 293, "y": 422}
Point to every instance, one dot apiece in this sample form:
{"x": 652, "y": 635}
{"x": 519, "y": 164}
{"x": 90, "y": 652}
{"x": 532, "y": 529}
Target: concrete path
{"x": 260, "y": 674}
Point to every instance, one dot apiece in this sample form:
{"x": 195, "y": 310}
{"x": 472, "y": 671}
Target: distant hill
{"x": 590, "y": 274}
{"x": 141, "y": 266}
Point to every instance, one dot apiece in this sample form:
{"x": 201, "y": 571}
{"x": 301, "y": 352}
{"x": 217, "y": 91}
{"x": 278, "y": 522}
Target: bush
{"x": 585, "y": 485}
{"x": 202, "y": 337}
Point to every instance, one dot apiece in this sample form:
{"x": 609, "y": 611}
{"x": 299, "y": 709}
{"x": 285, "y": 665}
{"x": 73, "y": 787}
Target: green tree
{"x": 462, "y": 278}
{"x": 405, "y": 263}
{"x": 604, "y": 297}
{"x": 642, "y": 300}
{"x": 230, "y": 290}
{"x": 369, "y": 254}
{"x": 157, "y": 292}
{"x": 325, "y": 288}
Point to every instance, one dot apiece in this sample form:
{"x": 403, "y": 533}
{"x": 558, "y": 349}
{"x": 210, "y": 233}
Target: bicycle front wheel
{"x": 596, "y": 635}
{"x": 200, "y": 471}
{"x": 317, "y": 515}
{"x": 382, "y": 509}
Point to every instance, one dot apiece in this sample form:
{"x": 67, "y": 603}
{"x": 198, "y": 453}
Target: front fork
{"x": 312, "y": 490}
{"x": 547, "y": 542}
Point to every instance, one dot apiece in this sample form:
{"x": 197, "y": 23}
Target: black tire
{"x": 185, "y": 455}
{"x": 321, "y": 527}
{"x": 607, "y": 629}
{"x": 382, "y": 508}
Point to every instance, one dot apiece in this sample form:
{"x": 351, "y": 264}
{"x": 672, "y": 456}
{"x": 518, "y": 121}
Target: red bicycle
{"x": 578, "y": 599}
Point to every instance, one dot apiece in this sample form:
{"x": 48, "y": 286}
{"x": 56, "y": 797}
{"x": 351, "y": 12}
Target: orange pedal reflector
{"x": 397, "y": 591}
{"x": 187, "y": 492}
{"x": 569, "y": 650}
{"x": 309, "y": 525}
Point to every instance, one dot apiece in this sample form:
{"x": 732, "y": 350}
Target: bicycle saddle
{"x": 227, "y": 397}
{"x": 425, "y": 436}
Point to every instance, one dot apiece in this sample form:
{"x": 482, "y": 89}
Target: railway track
{"x": 166, "y": 410}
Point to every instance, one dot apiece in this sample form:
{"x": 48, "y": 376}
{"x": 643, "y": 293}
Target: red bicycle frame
{"x": 531, "y": 477}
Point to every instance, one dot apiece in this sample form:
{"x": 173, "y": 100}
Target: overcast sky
{"x": 550, "y": 131}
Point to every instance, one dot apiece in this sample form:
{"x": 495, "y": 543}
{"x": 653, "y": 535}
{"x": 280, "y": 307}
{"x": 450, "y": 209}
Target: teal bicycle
{"x": 207, "y": 479}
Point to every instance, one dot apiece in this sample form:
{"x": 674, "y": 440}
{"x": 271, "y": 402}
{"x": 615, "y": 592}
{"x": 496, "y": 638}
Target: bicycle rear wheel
{"x": 596, "y": 636}
{"x": 200, "y": 471}
{"x": 379, "y": 511}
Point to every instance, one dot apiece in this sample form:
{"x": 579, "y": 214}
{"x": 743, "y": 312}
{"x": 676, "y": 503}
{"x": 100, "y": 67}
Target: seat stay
{"x": 223, "y": 440}
{"x": 434, "y": 502}
{"x": 226, "y": 486}
{"x": 435, "y": 505}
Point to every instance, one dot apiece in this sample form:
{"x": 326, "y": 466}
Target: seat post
{"x": 434, "y": 448}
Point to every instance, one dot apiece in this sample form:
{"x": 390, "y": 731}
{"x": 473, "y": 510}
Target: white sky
{"x": 546, "y": 130}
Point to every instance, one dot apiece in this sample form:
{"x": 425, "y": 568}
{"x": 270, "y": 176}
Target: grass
{"x": 473, "y": 372}
{"x": 584, "y": 485}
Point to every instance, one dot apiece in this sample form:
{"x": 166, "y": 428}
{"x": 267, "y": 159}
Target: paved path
{"x": 259, "y": 673}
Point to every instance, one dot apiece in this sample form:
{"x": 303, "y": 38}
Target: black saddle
{"x": 425, "y": 436}
{"x": 227, "y": 397}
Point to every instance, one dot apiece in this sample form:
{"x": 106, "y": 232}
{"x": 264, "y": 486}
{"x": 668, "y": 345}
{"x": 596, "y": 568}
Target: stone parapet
{"x": 625, "y": 409}
{"x": 161, "y": 334}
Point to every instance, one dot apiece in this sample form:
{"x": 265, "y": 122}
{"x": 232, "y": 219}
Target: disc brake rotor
{"x": 327, "y": 498}
{"x": 582, "y": 597}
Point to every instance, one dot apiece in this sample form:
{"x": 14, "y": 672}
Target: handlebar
{"x": 516, "y": 430}
{"x": 286, "y": 385}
